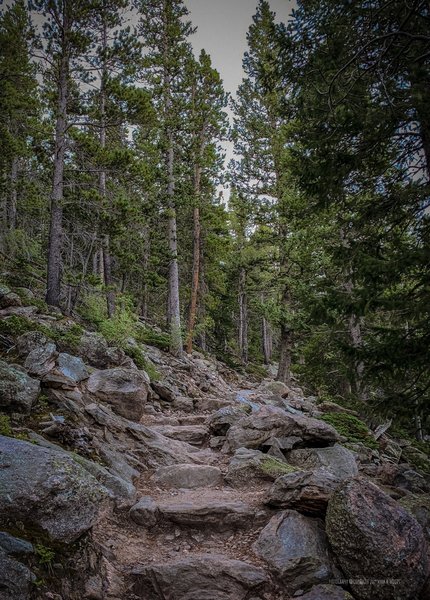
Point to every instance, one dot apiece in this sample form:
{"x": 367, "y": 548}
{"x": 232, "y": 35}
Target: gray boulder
{"x": 13, "y": 546}
{"x": 296, "y": 550}
{"x": 16, "y": 580}
{"x": 46, "y": 490}
{"x": 41, "y": 360}
{"x": 26, "y": 342}
{"x": 164, "y": 390}
{"x": 337, "y": 459}
{"x": 18, "y": 391}
{"x": 221, "y": 420}
{"x": 188, "y": 476}
{"x": 72, "y": 367}
{"x": 219, "y": 514}
{"x": 326, "y": 592}
{"x": 199, "y": 577}
{"x": 126, "y": 390}
{"x": 95, "y": 350}
{"x": 380, "y": 547}
{"x": 269, "y": 422}
{"x": 305, "y": 491}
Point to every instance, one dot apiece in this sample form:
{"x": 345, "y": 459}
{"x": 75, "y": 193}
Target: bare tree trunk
{"x": 13, "y": 194}
{"x": 145, "y": 264}
{"x": 266, "y": 341}
{"x": 53, "y": 283}
{"x": 195, "y": 279}
{"x": 243, "y": 317}
{"x": 285, "y": 344}
{"x": 107, "y": 260}
{"x": 107, "y": 273}
{"x": 174, "y": 303}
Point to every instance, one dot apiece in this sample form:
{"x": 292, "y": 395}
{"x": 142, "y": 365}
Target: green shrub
{"x": 16, "y": 325}
{"x": 44, "y": 554}
{"x": 352, "y": 428}
{"x": 153, "y": 338}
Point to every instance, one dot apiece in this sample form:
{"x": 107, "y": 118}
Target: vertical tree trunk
{"x": 195, "y": 279}
{"x": 145, "y": 265}
{"x": 285, "y": 344}
{"x": 13, "y": 194}
{"x": 53, "y": 283}
{"x": 174, "y": 303}
{"x": 243, "y": 317}
{"x": 107, "y": 260}
{"x": 266, "y": 341}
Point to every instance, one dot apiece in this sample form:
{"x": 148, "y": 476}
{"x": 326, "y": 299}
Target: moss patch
{"x": 5, "y": 426}
{"x": 275, "y": 468}
{"x": 352, "y": 428}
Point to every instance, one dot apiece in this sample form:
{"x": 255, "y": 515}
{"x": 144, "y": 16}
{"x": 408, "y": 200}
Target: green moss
{"x": 5, "y": 426}
{"x": 44, "y": 554}
{"x": 352, "y": 428}
{"x": 16, "y": 325}
{"x": 414, "y": 456}
{"x": 70, "y": 338}
{"x": 275, "y": 468}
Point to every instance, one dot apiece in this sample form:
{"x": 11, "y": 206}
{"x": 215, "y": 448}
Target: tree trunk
{"x": 107, "y": 274}
{"x": 285, "y": 344}
{"x": 13, "y": 194}
{"x": 174, "y": 303}
{"x": 243, "y": 317}
{"x": 195, "y": 279}
{"x": 53, "y": 287}
{"x": 145, "y": 265}
{"x": 107, "y": 260}
{"x": 266, "y": 336}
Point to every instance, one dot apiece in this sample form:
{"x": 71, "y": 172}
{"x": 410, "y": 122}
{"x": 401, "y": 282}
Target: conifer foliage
{"x": 309, "y": 250}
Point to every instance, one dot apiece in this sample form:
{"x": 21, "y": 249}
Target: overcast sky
{"x": 222, "y": 27}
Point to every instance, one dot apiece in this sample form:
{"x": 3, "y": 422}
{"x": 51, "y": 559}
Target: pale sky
{"x": 222, "y": 27}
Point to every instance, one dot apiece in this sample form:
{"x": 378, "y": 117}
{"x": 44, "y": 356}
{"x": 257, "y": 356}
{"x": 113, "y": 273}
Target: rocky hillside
{"x": 184, "y": 481}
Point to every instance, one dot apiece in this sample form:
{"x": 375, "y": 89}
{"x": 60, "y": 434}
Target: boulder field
{"x": 196, "y": 484}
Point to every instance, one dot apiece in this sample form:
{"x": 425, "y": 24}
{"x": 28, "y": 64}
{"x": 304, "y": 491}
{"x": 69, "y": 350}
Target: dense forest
{"x": 309, "y": 249}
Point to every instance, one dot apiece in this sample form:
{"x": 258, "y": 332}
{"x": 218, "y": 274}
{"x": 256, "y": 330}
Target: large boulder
{"x": 41, "y": 359}
{"x": 337, "y": 459}
{"x": 72, "y": 367}
{"x": 47, "y": 491}
{"x": 126, "y": 390}
{"x": 18, "y": 391}
{"x": 296, "y": 550}
{"x": 199, "y": 577}
{"x": 326, "y": 592}
{"x": 95, "y": 350}
{"x": 188, "y": 476}
{"x": 222, "y": 419}
{"x": 380, "y": 547}
{"x": 258, "y": 429}
{"x": 16, "y": 580}
{"x": 305, "y": 491}
{"x": 247, "y": 465}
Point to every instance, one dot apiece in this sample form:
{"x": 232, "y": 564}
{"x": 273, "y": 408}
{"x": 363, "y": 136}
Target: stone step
{"x": 188, "y": 476}
{"x": 199, "y": 577}
{"x": 192, "y": 434}
{"x": 194, "y": 510}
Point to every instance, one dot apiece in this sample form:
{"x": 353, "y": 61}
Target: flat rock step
{"x": 193, "y": 511}
{"x": 188, "y": 476}
{"x": 193, "y": 434}
{"x": 199, "y": 577}
{"x": 177, "y": 420}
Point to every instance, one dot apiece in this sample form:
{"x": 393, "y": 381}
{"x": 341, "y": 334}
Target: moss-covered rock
{"x": 351, "y": 427}
{"x": 247, "y": 465}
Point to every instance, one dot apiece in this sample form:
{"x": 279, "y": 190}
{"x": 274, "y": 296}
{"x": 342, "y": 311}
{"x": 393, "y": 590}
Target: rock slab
{"x": 379, "y": 545}
{"x": 296, "y": 550}
{"x": 199, "y": 577}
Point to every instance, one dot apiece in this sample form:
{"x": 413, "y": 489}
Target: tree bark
{"x": 195, "y": 279}
{"x": 107, "y": 260}
{"x": 13, "y": 194}
{"x": 53, "y": 283}
{"x": 285, "y": 344}
{"x": 243, "y": 317}
{"x": 266, "y": 341}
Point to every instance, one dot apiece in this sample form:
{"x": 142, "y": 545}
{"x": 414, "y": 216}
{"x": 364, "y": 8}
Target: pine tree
{"x": 164, "y": 31}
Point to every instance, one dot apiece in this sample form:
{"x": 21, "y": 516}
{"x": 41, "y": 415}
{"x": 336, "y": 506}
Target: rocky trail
{"x": 196, "y": 484}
